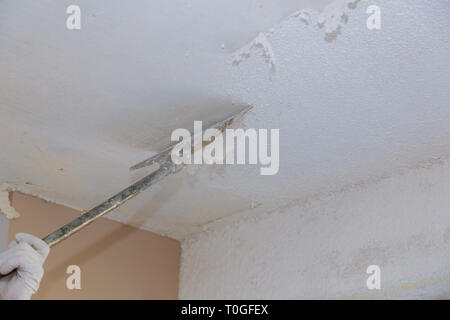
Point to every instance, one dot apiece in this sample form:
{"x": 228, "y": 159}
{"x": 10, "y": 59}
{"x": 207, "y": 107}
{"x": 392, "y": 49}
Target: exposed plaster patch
{"x": 334, "y": 15}
{"x": 260, "y": 41}
{"x": 192, "y": 169}
{"x": 331, "y": 18}
{"x": 311, "y": 91}
{"x": 5, "y": 203}
{"x": 304, "y": 15}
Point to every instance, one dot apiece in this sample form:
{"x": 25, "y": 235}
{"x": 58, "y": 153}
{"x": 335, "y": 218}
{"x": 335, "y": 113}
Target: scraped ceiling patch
{"x": 260, "y": 41}
{"x": 331, "y": 18}
{"x": 348, "y": 110}
{"x": 335, "y": 14}
{"x": 5, "y": 203}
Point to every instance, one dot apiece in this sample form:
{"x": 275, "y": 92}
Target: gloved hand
{"x": 21, "y": 267}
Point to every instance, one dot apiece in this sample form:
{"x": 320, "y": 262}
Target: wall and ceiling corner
{"x": 356, "y": 109}
{"x": 116, "y": 261}
{"x": 321, "y": 244}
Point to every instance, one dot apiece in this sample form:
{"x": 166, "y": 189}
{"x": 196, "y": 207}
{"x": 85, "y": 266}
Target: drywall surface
{"x": 322, "y": 248}
{"x": 115, "y": 261}
{"x": 78, "y": 108}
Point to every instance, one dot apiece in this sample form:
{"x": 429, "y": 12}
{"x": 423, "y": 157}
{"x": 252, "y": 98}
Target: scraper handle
{"x": 86, "y": 218}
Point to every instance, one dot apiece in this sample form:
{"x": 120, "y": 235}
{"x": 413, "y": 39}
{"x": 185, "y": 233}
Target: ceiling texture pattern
{"x": 78, "y": 108}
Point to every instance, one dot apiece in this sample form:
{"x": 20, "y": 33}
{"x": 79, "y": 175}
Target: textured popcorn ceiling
{"x": 77, "y": 108}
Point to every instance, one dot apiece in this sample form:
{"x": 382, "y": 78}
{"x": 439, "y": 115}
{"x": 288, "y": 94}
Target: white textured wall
{"x": 321, "y": 248}
{"x": 363, "y": 172}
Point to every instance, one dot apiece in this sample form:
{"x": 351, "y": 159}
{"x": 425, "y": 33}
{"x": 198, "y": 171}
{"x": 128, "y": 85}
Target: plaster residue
{"x": 5, "y": 203}
{"x": 260, "y": 41}
{"x": 335, "y": 14}
{"x": 135, "y": 102}
{"x": 304, "y": 15}
{"x": 331, "y": 18}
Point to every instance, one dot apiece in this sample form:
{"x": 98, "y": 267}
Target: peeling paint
{"x": 335, "y": 14}
{"x": 304, "y": 15}
{"x": 331, "y": 19}
{"x": 5, "y": 203}
{"x": 354, "y": 109}
{"x": 261, "y": 42}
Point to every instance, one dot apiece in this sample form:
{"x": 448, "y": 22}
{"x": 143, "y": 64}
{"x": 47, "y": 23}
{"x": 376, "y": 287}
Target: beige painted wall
{"x": 116, "y": 261}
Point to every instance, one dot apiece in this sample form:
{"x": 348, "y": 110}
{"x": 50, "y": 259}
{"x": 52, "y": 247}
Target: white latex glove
{"x": 21, "y": 267}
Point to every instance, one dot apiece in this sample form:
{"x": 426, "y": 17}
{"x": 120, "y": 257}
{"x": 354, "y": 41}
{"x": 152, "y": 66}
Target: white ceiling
{"x": 78, "y": 108}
